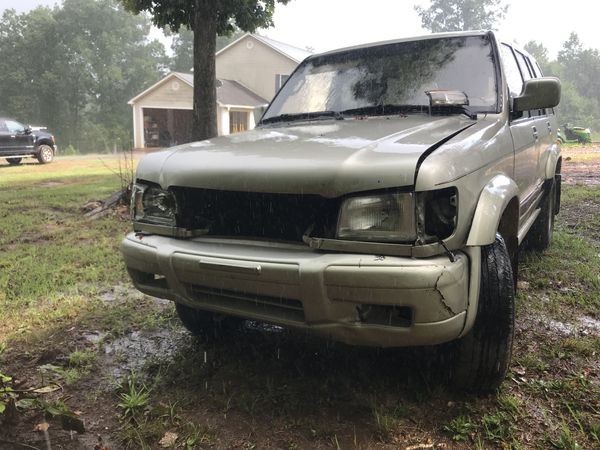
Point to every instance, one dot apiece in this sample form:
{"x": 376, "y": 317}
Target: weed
{"x": 135, "y": 399}
{"x": 82, "y": 358}
{"x": 7, "y": 394}
{"x": 498, "y": 427}
{"x": 461, "y": 428}
{"x": 565, "y": 440}
{"x": 386, "y": 418}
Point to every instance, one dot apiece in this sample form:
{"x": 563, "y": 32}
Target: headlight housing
{"x": 385, "y": 217}
{"x": 154, "y": 205}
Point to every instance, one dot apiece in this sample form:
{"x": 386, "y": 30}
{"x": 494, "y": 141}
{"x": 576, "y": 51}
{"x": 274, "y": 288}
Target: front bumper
{"x": 357, "y": 299}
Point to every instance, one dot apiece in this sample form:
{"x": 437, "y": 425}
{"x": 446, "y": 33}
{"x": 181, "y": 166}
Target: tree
{"x": 183, "y": 48}
{"x": 183, "y": 51}
{"x": 461, "y": 15}
{"x": 207, "y": 19}
{"x": 538, "y": 51}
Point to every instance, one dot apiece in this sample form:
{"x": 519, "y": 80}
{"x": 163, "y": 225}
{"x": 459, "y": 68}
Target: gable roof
{"x": 186, "y": 78}
{"x": 296, "y": 54}
{"x": 232, "y": 93}
{"x": 229, "y": 92}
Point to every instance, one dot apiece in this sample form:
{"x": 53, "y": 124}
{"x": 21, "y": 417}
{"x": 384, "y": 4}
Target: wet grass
{"x": 61, "y": 277}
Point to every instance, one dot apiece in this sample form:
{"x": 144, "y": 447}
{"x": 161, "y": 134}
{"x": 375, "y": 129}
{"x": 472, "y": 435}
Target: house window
{"x": 238, "y": 121}
{"x": 279, "y": 81}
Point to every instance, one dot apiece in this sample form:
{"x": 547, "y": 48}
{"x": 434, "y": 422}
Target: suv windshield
{"x": 390, "y": 78}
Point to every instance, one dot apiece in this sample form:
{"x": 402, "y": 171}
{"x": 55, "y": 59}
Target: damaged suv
{"x": 381, "y": 200}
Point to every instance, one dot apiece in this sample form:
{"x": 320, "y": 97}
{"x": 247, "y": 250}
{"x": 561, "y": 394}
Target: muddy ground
{"x": 267, "y": 388}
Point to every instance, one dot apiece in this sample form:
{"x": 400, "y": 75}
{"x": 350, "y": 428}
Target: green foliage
{"x": 460, "y": 15}
{"x": 247, "y": 15}
{"x": 72, "y": 68}
{"x": 460, "y": 428}
{"x": 6, "y": 392}
{"x": 135, "y": 398}
{"x": 579, "y": 71}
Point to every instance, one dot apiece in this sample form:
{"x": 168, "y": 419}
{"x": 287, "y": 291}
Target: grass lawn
{"x": 100, "y": 353}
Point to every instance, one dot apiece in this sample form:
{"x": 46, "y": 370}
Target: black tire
{"x": 207, "y": 324}
{"x": 14, "y": 161}
{"x": 45, "y": 154}
{"x": 540, "y": 234}
{"x": 481, "y": 358}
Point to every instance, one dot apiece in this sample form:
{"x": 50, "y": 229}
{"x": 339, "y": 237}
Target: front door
{"x": 20, "y": 140}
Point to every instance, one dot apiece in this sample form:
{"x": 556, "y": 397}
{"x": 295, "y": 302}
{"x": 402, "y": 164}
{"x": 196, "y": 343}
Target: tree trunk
{"x": 205, "y": 93}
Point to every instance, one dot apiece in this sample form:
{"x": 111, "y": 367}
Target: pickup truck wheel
{"x": 14, "y": 161}
{"x": 206, "y": 324}
{"x": 481, "y": 357}
{"x": 540, "y": 233}
{"x": 45, "y": 154}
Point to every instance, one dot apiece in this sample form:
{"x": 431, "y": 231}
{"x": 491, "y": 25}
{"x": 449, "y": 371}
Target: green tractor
{"x": 568, "y": 133}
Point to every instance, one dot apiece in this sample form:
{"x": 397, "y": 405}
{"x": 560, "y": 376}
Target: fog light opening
{"x": 393, "y": 316}
{"x": 153, "y": 280}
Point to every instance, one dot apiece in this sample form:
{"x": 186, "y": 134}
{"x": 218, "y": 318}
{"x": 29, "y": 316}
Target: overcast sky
{"x": 329, "y": 24}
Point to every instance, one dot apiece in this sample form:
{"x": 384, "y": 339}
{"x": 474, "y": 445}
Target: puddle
{"x": 122, "y": 292}
{"x": 131, "y": 352}
{"x": 585, "y": 326}
{"x": 263, "y": 327}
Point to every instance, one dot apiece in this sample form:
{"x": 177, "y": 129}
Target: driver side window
{"x": 511, "y": 70}
{"x": 14, "y": 127}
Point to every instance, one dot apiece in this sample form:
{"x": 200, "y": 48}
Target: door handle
{"x": 535, "y": 133}
{"x": 549, "y": 127}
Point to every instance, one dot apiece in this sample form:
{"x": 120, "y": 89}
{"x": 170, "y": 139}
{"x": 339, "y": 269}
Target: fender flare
{"x": 493, "y": 200}
{"x": 553, "y": 157}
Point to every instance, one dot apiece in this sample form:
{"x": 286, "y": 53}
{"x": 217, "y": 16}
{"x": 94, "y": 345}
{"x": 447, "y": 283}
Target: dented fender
{"x": 492, "y": 202}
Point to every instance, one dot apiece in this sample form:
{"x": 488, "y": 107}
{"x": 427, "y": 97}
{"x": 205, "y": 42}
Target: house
{"x": 249, "y": 72}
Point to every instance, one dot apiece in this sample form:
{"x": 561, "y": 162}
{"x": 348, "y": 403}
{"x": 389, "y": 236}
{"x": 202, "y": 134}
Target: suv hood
{"x": 328, "y": 158}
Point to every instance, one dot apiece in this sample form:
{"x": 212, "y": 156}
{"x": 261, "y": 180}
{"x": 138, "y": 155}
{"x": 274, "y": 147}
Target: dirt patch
{"x": 581, "y": 165}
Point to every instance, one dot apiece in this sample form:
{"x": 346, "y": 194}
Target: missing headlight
{"x": 437, "y": 214}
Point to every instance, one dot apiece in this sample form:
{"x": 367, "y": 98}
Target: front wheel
{"x": 207, "y": 324}
{"x": 481, "y": 358}
{"x": 45, "y": 154}
{"x": 14, "y": 161}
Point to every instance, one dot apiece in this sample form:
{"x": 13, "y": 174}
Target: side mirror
{"x": 538, "y": 93}
{"x": 27, "y": 129}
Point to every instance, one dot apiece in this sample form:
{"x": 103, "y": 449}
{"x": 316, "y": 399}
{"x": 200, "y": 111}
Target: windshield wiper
{"x": 317, "y": 115}
{"x": 383, "y": 110}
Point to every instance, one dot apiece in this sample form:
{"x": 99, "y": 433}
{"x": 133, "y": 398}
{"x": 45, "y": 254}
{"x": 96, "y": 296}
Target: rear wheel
{"x": 540, "y": 234}
{"x": 45, "y": 154}
{"x": 482, "y": 356}
{"x": 14, "y": 161}
{"x": 207, "y": 324}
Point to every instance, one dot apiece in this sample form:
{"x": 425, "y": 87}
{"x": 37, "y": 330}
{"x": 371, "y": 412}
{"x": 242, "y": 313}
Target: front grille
{"x": 244, "y": 303}
{"x": 285, "y": 217}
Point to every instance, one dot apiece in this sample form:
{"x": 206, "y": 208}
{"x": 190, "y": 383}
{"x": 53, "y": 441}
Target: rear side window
{"x": 3, "y": 126}
{"x": 525, "y": 71}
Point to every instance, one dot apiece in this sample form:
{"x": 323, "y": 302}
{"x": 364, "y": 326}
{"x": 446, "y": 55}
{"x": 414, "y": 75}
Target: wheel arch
{"x": 497, "y": 210}
{"x": 47, "y": 142}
